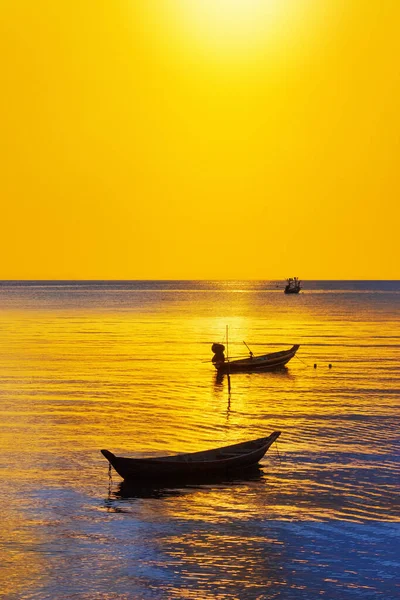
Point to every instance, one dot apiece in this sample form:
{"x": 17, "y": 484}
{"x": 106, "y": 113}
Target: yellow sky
{"x": 167, "y": 139}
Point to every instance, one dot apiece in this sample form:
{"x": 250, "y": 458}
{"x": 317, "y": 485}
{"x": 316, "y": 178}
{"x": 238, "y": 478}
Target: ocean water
{"x": 127, "y": 366}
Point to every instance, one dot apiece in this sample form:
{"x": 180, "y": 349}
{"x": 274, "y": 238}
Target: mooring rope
{"x": 277, "y": 449}
{"x": 110, "y": 480}
{"x": 304, "y": 363}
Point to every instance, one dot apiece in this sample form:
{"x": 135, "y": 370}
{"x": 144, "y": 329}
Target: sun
{"x": 231, "y": 14}
{"x": 229, "y": 24}
{"x": 231, "y": 30}
{"x": 234, "y": 38}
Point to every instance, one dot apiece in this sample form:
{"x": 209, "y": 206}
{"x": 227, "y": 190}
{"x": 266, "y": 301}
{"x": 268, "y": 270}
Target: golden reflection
{"x": 18, "y": 540}
{"x": 135, "y": 381}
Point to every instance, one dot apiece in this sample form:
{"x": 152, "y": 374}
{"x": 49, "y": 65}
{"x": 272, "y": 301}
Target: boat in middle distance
{"x": 252, "y": 364}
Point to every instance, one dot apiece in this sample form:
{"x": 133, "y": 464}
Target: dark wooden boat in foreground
{"x": 265, "y": 362}
{"x": 223, "y": 460}
{"x": 172, "y": 486}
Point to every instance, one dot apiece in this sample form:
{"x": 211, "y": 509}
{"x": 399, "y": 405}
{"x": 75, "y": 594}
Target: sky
{"x": 199, "y": 139}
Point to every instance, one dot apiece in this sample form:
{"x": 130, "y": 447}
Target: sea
{"x": 126, "y": 366}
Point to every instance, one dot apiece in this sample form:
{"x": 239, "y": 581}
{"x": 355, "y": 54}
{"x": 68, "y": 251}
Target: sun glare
{"x": 232, "y": 29}
{"x": 231, "y": 15}
{"x": 230, "y": 24}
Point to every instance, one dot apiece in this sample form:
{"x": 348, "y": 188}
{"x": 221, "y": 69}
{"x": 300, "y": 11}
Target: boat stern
{"x": 108, "y": 455}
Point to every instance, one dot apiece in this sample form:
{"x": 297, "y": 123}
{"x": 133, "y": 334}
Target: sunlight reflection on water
{"x": 127, "y": 367}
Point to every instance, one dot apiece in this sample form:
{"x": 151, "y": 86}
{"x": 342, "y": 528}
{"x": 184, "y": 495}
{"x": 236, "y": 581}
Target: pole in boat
{"x": 251, "y": 354}
{"x": 227, "y": 359}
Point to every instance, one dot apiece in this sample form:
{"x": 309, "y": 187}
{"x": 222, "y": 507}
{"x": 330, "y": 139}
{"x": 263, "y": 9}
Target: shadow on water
{"x": 282, "y": 372}
{"x": 180, "y": 486}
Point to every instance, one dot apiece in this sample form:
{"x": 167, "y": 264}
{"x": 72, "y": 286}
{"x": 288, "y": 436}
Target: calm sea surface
{"x": 126, "y": 366}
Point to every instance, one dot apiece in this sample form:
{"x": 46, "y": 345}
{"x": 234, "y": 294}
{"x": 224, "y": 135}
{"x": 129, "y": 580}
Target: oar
{"x": 251, "y": 354}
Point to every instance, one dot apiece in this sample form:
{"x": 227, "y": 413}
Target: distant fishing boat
{"x": 218, "y": 461}
{"x": 293, "y": 286}
{"x": 264, "y": 362}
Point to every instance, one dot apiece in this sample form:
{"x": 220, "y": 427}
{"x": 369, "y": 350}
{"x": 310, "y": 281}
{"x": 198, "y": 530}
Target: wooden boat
{"x": 293, "y": 286}
{"x": 265, "y": 362}
{"x": 169, "y": 487}
{"x": 207, "y": 462}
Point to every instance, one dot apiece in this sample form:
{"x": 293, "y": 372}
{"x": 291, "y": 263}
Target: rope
{"x": 304, "y": 363}
{"x": 277, "y": 449}
{"x": 110, "y": 481}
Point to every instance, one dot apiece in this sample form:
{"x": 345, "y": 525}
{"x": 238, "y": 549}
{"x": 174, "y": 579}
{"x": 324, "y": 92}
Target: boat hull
{"x": 293, "y": 286}
{"x": 218, "y": 461}
{"x": 267, "y": 362}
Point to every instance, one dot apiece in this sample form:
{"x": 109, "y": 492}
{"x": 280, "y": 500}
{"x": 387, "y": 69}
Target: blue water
{"x": 126, "y": 366}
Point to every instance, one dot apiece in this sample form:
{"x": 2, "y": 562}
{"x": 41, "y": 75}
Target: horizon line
{"x": 187, "y": 279}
